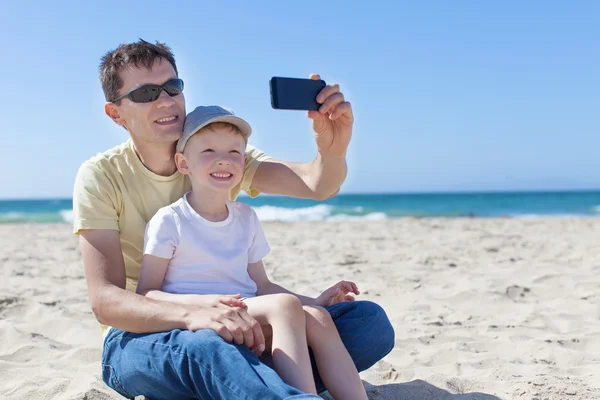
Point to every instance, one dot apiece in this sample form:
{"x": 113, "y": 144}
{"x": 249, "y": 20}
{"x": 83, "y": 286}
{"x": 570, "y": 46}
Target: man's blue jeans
{"x": 182, "y": 364}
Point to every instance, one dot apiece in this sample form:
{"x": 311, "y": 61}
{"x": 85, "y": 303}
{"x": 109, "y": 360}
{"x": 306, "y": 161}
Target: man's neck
{"x": 157, "y": 157}
{"x": 211, "y": 205}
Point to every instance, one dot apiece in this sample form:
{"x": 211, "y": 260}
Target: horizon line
{"x": 375, "y": 193}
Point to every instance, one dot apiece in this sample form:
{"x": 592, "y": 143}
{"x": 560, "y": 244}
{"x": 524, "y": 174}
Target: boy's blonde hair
{"x": 216, "y": 125}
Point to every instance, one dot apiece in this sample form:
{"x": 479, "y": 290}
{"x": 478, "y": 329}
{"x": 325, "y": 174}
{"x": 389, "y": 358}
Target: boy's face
{"x": 214, "y": 159}
{"x": 160, "y": 121}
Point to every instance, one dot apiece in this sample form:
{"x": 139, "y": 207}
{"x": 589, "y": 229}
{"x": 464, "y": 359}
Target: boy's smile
{"x": 222, "y": 176}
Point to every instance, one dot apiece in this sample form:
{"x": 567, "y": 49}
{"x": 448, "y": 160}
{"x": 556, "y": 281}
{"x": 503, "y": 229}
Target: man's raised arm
{"x": 319, "y": 179}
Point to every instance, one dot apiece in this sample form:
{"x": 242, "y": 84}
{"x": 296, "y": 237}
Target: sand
{"x": 482, "y": 308}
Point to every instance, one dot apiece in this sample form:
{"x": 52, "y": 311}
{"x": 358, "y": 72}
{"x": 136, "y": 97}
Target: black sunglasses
{"x": 149, "y": 93}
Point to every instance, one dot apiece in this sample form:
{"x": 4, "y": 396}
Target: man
{"x": 163, "y": 349}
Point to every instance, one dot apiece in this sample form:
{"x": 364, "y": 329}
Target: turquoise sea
{"x": 361, "y": 206}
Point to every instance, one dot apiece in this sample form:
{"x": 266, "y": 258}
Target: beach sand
{"x": 482, "y": 308}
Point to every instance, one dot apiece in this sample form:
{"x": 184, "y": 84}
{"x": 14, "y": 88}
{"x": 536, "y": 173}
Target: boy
{"x": 206, "y": 246}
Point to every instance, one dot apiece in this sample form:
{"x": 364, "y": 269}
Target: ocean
{"x": 361, "y": 206}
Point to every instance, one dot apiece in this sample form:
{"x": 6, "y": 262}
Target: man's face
{"x": 160, "y": 121}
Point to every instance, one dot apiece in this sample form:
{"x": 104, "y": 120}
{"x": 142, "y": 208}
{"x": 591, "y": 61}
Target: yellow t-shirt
{"x": 114, "y": 190}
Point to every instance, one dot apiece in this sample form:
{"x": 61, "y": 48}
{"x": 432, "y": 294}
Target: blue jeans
{"x": 182, "y": 364}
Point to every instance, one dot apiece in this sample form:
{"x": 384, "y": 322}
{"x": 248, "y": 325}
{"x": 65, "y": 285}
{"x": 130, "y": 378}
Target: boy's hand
{"x": 338, "y": 293}
{"x": 232, "y": 301}
{"x": 217, "y": 300}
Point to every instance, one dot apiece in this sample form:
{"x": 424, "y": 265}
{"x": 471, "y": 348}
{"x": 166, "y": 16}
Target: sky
{"x": 447, "y": 96}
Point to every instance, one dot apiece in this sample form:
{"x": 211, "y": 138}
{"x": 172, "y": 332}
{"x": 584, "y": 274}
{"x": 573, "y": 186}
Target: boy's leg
{"x": 182, "y": 364}
{"x": 336, "y": 368}
{"x": 365, "y": 331}
{"x": 289, "y": 348}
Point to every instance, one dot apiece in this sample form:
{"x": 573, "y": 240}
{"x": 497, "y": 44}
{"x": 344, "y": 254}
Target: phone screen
{"x": 295, "y": 93}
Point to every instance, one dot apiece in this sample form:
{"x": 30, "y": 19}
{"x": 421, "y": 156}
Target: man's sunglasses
{"x": 149, "y": 93}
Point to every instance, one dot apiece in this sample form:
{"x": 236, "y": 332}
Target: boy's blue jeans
{"x": 182, "y": 364}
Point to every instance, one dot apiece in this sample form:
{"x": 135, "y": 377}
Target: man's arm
{"x": 115, "y": 306}
{"x": 319, "y": 179}
{"x": 111, "y": 303}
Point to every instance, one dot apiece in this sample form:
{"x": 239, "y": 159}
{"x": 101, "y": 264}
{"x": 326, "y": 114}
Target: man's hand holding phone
{"x": 333, "y": 122}
{"x": 331, "y": 113}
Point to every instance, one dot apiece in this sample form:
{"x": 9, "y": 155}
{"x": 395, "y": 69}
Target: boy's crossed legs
{"x": 295, "y": 328}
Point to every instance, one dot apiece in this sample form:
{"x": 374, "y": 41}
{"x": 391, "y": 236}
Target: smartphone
{"x": 295, "y": 93}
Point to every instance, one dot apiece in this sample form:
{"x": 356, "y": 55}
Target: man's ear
{"x": 181, "y": 163}
{"x": 245, "y": 161}
{"x": 111, "y": 110}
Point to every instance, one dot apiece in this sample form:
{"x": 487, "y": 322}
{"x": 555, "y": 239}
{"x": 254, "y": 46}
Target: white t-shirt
{"x": 206, "y": 257}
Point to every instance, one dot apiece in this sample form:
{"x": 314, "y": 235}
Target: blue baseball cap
{"x": 204, "y": 115}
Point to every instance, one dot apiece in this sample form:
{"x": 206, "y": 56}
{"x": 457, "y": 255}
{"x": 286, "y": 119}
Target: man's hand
{"x": 338, "y": 293}
{"x": 233, "y": 324}
{"x": 333, "y": 122}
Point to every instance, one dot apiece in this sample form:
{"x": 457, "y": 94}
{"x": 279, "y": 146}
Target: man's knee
{"x": 380, "y": 323}
{"x": 371, "y": 333}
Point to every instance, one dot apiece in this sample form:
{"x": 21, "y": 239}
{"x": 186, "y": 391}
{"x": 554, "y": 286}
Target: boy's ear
{"x": 111, "y": 110}
{"x": 181, "y": 163}
{"x": 245, "y": 161}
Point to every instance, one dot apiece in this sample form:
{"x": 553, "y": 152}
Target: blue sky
{"x": 448, "y": 96}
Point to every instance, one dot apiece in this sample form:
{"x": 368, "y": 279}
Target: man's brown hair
{"x": 140, "y": 54}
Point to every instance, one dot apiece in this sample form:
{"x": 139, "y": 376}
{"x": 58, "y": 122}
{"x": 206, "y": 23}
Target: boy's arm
{"x": 115, "y": 306}
{"x": 151, "y": 281}
{"x": 265, "y": 286}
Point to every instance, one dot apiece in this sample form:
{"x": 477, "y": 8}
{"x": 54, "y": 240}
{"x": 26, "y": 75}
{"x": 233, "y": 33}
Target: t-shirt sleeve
{"x": 259, "y": 247}
{"x": 255, "y": 158}
{"x": 95, "y": 200}
{"x": 161, "y": 237}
